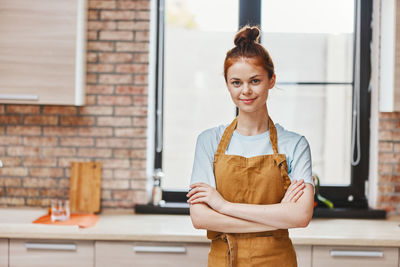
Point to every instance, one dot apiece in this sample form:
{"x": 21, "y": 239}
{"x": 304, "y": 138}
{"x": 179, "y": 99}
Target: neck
{"x": 253, "y": 123}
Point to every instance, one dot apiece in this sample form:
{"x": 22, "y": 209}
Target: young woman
{"x": 251, "y": 180}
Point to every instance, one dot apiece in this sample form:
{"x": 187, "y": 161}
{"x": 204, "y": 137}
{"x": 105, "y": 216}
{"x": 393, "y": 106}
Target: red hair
{"x": 247, "y": 46}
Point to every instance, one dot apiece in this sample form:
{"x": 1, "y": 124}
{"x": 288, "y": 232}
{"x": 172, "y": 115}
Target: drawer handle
{"x": 43, "y": 246}
{"x": 159, "y": 249}
{"x": 19, "y": 97}
{"x": 358, "y": 253}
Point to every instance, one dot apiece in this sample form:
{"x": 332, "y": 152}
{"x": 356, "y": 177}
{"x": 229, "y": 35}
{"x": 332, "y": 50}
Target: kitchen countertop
{"x": 126, "y": 226}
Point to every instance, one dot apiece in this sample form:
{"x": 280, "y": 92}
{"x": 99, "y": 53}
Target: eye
{"x": 255, "y": 81}
{"x": 236, "y": 83}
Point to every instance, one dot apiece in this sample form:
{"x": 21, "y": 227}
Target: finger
{"x": 199, "y": 200}
{"x": 297, "y": 196}
{"x": 197, "y": 195}
{"x": 199, "y": 184}
{"x": 293, "y": 191}
{"x": 195, "y": 190}
{"x": 296, "y": 191}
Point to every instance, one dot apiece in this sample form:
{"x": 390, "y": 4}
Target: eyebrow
{"x": 252, "y": 77}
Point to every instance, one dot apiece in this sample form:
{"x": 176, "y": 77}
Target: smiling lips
{"x": 248, "y": 101}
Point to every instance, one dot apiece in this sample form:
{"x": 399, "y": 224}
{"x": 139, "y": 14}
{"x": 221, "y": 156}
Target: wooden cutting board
{"x": 85, "y": 187}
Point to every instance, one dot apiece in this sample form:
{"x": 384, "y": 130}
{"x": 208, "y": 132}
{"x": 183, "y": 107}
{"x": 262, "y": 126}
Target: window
{"x": 322, "y": 58}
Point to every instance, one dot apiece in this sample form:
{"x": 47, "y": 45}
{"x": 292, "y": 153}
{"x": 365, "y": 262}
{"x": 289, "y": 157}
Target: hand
{"x": 204, "y": 193}
{"x": 294, "y": 191}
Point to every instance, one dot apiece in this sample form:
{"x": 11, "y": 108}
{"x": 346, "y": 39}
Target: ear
{"x": 272, "y": 81}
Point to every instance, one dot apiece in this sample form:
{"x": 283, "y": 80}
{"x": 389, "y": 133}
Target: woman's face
{"x": 248, "y": 85}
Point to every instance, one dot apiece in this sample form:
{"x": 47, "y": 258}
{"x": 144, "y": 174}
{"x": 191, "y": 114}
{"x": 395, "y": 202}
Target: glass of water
{"x": 60, "y": 210}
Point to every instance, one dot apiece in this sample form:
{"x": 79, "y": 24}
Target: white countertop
{"x": 123, "y": 225}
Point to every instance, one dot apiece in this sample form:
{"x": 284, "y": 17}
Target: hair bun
{"x": 247, "y": 35}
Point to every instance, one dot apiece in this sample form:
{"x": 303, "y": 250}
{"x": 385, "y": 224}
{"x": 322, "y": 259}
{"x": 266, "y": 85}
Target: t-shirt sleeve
{"x": 203, "y": 170}
{"x": 300, "y": 167}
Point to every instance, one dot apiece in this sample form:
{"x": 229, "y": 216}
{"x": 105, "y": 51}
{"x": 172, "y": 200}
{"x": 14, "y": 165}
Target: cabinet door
{"x": 303, "y": 254}
{"x": 145, "y": 254}
{"x": 3, "y": 252}
{"x": 326, "y": 256}
{"x": 43, "y": 253}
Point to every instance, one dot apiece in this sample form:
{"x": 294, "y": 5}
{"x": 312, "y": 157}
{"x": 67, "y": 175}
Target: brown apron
{"x": 256, "y": 180}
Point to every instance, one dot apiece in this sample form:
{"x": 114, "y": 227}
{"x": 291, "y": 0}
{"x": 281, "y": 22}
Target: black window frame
{"x": 352, "y": 196}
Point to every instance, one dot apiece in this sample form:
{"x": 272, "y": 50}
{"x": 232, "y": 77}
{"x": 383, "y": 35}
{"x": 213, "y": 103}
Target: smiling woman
{"x": 251, "y": 180}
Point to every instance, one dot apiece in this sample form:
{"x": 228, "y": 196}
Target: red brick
{"x": 130, "y": 132}
{"x": 117, "y": 15}
{"x": 66, "y": 163}
{"x": 100, "y": 67}
{"x": 102, "y": 25}
{"x": 2, "y": 129}
{"x": 59, "y": 131}
{"x": 56, "y": 152}
{"x": 22, "y": 192}
{"x": 396, "y": 135}
{"x": 397, "y": 168}
{"x": 91, "y": 78}
{"x": 22, "y": 151}
{"x": 59, "y": 110}
{"x": 115, "y": 163}
{"x": 140, "y": 121}
{"x": 138, "y": 184}
{"x": 133, "y": 25}
{"x": 389, "y": 198}
{"x": 46, "y": 172}
{"x": 94, "y": 153}
{"x": 77, "y": 120}
{"x": 389, "y": 115}
{"x": 23, "y": 130}
{"x": 389, "y": 158}
{"x": 52, "y": 192}
{"x": 6, "y": 119}
{"x": 389, "y": 207}
{"x": 115, "y": 57}
{"x": 93, "y": 14}
{"x": 131, "y": 90}
{"x": 132, "y": 68}
{"x": 139, "y": 143}
{"x": 63, "y": 183}
{"x": 138, "y": 164}
{"x": 2, "y": 151}
{"x": 389, "y": 178}
{"x": 11, "y": 161}
{"x": 385, "y": 168}
{"x": 124, "y": 194}
{"x": 132, "y": 47}
{"x": 12, "y": 201}
{"x": 142, "y": 36}
{"x": 130, "y": 153}
{"x": 40, "y": 141}
{"x": 129, "y": 174}
{"x": 397, "y": 188}
{"x": 115, "y": 184}
{"x": 108, "y": 174}
{"x": 102, "y": 4}
{"x": 46, "y": 162}
{"x": 9, "y": 182}
{"x": 131, "y": 111}
{"x": 114, "y": 121}
{"x": 2, "y": 109}
{"x": 141, "y": 57}
{"x": 386, "y": 125}
{"x": 105, "y": 194}
{"x": 385, "y": 135}
{"x": 91, "y": 57}
{"x": 23, "y": 109}
{"x": 99, "y": 89}
{"x": 76, "y": 141}
{"x": 41, "y": 120}
{"x": 385, "y": 146}
{"x": 114, "y": 142}
{"x": 10, "y": 140}
{"x": 38, "y": 202}
{"x": 90, "y": 100}
{"x": 396, "y": 147}
{"x": 140, "y": 101}
{"x": 96, "y": 131}
{"x": 96, "y": 110}
{"x": 115, "y": 78}
{"x": 385, "y": 188}
{"x": 142, "y": 15}
{"x": 120, "y": 204}
{"x": 140, "y": 79}
{"x": 39, "y": 182}
{"x": 116, "y": 35}
{"x": 100, "y": 46}
{"x": 114, "y": 100}
{"x": 134, "y": 5}
{"x": 92, "y": 35}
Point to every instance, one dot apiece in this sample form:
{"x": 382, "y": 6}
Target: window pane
{"x": 323, "y": 115}
{"x": 197, "y": 37}
{"x": 310, "y": 40}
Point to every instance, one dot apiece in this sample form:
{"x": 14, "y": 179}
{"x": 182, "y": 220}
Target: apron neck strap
{"x": 226, "y": 137}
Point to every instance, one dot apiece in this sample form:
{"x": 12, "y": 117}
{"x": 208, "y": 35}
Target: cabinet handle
{"x": 19, "y": 97}
{"x": 159, "y": 249}
{"x": 43, "y": 246}
{"x": 358, "y": 253}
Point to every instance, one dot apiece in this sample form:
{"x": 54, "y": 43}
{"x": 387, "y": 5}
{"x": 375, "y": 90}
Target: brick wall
{"x": 389, "y": 162}
{"x": 38, "y": 143}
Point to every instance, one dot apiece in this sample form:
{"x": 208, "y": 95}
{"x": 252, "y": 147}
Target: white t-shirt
{"x": 293, "y": 145}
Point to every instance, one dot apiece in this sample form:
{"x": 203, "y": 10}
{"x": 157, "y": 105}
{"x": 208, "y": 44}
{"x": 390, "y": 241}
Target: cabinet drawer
{"x": 123, "y": 254}
{"x": 3, "y": 252}
{"x": 326, "y": 256}
{"x": 303, "y": 254}
{"x": 49, "y": 253}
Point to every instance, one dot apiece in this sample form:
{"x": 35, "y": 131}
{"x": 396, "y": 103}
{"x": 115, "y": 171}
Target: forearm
{"x": 203, "y": 217}
{"x": 280, "y": 215}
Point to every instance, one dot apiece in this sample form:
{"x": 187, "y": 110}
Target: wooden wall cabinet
{"x": 50, "y": 253}
{"x": 43, "y": 52}
{"x": 3, "y": 252}
{"x": 303, "y": 253}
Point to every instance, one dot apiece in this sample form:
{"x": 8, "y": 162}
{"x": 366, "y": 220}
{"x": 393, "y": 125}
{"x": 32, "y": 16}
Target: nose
{"x": 246, "y": 89}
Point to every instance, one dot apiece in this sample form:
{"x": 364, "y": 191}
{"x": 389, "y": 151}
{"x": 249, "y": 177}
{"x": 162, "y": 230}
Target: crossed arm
{"x": 209, "y": 210}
